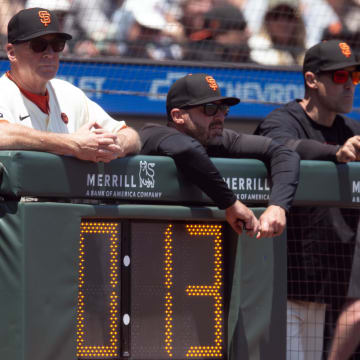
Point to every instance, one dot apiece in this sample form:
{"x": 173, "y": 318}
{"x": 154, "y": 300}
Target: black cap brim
{"x": 42, "y": 33}
{"x": 341, "y": 66}
{"x": 231, "y": 101}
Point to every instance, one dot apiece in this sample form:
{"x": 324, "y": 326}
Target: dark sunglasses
{"x": 39, "y": 45}
{"x": 342, "y": 76}
{"x": 211, "y": 109}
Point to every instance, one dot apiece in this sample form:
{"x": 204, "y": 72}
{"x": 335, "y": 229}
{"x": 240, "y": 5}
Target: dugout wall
{"x": 128, "y": 261}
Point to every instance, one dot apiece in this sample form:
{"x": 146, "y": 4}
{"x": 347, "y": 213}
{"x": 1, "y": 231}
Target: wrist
{"x": 231, "y": 205}
{"x": 338, "y": 153}
{"x": 281, "y": 208}
{"x": 69, "y": 145}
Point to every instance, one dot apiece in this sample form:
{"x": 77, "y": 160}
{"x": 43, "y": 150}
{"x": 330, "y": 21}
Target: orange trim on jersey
{"x": 41, "y": 101}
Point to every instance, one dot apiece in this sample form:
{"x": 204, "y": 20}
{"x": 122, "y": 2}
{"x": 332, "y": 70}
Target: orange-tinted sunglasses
{"x": 342, "y": 76}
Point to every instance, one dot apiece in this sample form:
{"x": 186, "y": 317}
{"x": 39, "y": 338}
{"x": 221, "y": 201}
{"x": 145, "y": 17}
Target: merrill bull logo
{"x": 146, "y": 174}
{"x": 125, "y": 185}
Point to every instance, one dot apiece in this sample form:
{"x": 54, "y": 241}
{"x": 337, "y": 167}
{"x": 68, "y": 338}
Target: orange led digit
{"x": 170, "y": 315}
{"x": 168, "y": 285}
{"x": 112, "y": 349}
{"x": 213, "y": 290}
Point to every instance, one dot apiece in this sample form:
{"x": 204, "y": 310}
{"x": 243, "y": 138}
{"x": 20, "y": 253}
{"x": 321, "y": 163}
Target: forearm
{"x": 130, "y": 141}
{"x": 290, "y": 136}
{"x": 309, "y": 149}
{"x": 191, "y": 159}
{"x": 200, "y": 170}
{"x": 19, "y": 137}
{"x": 285, "y": 169}
{"x": 282, "y": 163}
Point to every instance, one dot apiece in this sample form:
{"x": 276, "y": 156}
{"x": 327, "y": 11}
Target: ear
{"x": 177, "y": 116}
{"x": 310, "y": 80}
{"x": 10, "y": 50}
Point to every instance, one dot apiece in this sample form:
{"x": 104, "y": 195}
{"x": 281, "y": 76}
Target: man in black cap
{"x": 223, "y": 37}
{"x": 195, "y": 132}
{"x": 314, "y": 128}
{"x": 42, "y": 113}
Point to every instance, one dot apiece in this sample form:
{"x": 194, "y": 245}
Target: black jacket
{"x": 320, "y": 239}
{"x": 193, "y": 159}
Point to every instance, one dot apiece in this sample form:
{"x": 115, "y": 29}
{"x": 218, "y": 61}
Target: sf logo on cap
{"x": 212, "y": 83}
{"x": 45, "y": 17}
{"x": 345, "y": 49}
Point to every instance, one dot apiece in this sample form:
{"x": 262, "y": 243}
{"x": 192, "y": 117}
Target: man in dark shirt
{"x": 194, "y": 133}
{"x": 318, "y": 238}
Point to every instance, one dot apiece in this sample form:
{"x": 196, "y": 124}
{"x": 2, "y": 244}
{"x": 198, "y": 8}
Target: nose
{"x": 49, "y": 50}
{"x": 220, "y": 116}
{"x": 350, "y": 85}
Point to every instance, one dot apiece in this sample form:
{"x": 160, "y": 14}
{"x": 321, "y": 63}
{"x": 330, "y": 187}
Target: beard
{"x": 202, "y": 131}
{"x": 215, "y": 129}
{"x": 215, "y": 132}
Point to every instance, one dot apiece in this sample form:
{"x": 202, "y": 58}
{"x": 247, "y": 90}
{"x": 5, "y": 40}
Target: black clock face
{"x": 98, "y": 313}
{"x": 150, "y": 290}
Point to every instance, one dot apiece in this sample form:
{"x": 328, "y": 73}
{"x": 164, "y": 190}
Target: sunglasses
{"x": 39, "y": 45}
{"x": 342, "y": 76}
{"x": 211, "y": 109}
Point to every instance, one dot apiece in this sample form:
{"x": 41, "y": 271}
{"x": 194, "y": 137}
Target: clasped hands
{"x": 94, "y": 143}
{"x": 271, "y": 223}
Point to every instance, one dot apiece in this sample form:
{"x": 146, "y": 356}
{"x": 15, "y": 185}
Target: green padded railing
{"x": 155, "y": 179}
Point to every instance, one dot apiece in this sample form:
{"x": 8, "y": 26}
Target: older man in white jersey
{"x": 38, "y": 112}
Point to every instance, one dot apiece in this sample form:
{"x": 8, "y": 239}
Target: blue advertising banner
{"x": 140, "y": 89}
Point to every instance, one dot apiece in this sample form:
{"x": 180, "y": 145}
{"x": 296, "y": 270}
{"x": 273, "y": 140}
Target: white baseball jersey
{"x": 69, "y": 107}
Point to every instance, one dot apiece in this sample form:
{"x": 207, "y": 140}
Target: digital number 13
{"x": 213, "y": 290}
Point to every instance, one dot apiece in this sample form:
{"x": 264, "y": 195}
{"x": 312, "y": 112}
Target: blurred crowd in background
{"x": 268, "y": 32}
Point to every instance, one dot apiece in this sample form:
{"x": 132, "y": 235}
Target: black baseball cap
{"x": 31, "y": 23}
{"x": 329, "y": 55}
{"x": 224, "y": 18}
{"x": 195, "y": 89}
